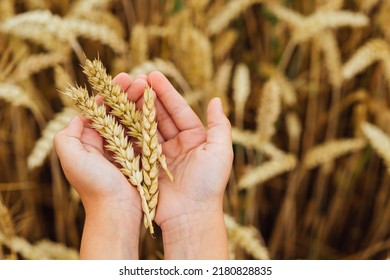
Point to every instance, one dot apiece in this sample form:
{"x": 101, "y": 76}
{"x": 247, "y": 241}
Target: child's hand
{"x": 189, "y": 210}
{"x": 112, "y": 205}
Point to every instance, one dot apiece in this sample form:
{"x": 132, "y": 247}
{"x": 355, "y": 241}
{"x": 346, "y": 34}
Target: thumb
{"x": 67, "y": 140}
{"x": 219, "y": 134}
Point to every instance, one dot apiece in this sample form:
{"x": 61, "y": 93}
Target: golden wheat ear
{"x": 114, "y": 134}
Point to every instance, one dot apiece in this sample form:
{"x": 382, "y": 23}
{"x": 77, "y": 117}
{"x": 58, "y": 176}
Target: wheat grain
{"x": 44, "y": 145}
{"x": 378, "y": 140}
{"x": 150, "y": 152}
{"x": 116, "y": 140}
{"x": 330, "y": 151}
{"x": 241, "y": 91}
{"x": 269, "y": 110}
{"x": 266, "y": 171}
{"x": 247, "y": 237}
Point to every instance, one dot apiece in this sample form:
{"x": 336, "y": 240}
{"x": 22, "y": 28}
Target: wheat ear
{"x": 331, "y": 150}
{"x": 150, "y": 151}
{"x": 117, "y": 142}
{"x": 247, "y": 237}
{"x": 121, "y": 106}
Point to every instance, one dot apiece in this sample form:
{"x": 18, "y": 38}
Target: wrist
{"x": 195, "y": 236}
{"x": 111, "y": 231}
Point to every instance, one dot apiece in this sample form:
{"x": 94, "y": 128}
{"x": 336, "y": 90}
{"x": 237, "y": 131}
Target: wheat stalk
{"x": 117, "y": 142}
{"x": 120, "y": 105}
{"x": 331, "y": 150}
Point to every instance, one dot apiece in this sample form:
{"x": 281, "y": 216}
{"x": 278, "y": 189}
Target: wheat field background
{"x": 305, "y": 85}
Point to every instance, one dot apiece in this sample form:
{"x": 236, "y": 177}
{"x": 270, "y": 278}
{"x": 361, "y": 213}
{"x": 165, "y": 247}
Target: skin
{"x": 189, "y": 210}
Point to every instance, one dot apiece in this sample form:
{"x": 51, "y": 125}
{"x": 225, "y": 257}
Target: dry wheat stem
{"x": 119, "y": 103}
{"x": 117, "y": 142}
{"x": 150, "y": 151}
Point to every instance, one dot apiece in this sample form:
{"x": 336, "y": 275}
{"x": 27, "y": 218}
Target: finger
{"x": 68, "y": 139}
{"x": 136, "y": 90}
{"x": 219, "y": 135}
{"x": 166, "y": 126}
{"x": 123, "y": 80}
{"x": 181, "y": 113}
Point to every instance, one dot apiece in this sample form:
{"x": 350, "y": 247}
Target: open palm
{"x": 199, "y": 158}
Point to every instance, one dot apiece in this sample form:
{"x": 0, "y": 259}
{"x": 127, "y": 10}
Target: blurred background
{"x": 304, "y": 83}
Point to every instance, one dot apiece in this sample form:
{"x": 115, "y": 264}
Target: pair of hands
{"x": 189, "y": 210}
